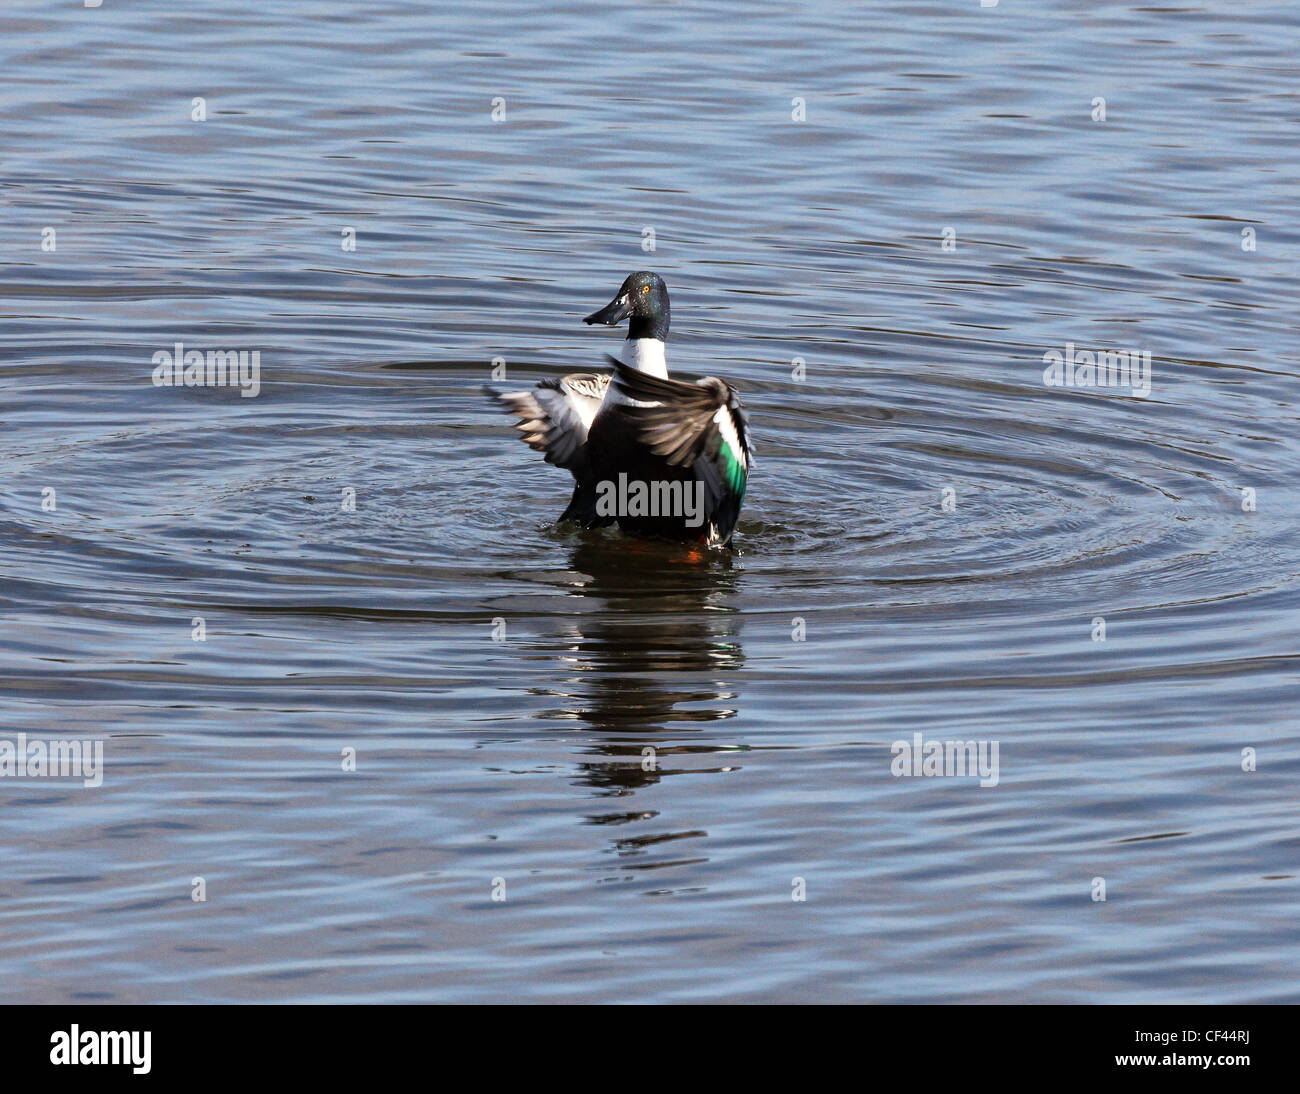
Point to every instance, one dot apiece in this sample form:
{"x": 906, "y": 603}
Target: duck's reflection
{"x": 651, "y": 649}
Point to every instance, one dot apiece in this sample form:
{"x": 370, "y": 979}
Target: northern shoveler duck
{"x": 659, "y": 457}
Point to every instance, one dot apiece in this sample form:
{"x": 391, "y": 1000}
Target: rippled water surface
{"x": 933, "y": 542}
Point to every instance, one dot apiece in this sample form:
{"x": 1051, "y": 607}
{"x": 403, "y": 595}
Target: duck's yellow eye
{"x": 645, "y": 288}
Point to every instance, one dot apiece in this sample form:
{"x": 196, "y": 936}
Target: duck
{"x": 661, "y": 458}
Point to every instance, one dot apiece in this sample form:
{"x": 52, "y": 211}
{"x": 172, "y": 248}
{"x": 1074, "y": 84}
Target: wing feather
{"x": 554, "y": 417}
{"x": 701, "y": 426}
{"x": 682, "y": 421}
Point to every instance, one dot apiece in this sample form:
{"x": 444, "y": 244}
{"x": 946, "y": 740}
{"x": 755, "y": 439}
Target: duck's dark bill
{"x": 618, "y": 308}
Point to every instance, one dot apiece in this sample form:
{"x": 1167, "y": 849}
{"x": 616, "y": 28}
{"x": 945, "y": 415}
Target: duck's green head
{"x": 643, "y": 301}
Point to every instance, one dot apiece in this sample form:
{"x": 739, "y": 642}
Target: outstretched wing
{"x": 555, "y": 415}
{"x": 700, "y": 425}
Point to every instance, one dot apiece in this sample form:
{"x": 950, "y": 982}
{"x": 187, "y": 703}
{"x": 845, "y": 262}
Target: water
{"x": 522, "y": 759}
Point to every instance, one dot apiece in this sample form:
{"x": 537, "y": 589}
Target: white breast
{"x": 646, "y": 354}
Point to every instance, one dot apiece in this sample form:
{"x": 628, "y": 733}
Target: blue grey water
{"x": 876, "y": 220}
